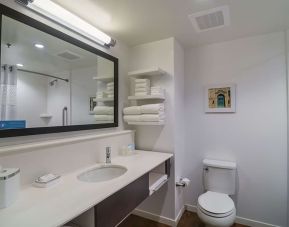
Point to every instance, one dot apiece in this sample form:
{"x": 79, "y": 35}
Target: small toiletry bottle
{"x": 130, "y": 148}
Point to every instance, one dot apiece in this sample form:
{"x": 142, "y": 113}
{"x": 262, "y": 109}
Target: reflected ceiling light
{"x": 39, "y": 46}
{"x": 19, "y": 65}
{"x": 69, "y": 20}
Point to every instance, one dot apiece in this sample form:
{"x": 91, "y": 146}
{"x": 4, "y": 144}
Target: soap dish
{"x": 47, "y": 180}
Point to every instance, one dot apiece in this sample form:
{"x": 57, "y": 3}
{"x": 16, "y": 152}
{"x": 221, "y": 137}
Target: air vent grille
{"x": 210, "y": 19}
{"x": 68, "y": 55}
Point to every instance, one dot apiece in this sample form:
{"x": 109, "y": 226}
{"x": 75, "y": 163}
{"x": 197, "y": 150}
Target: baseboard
{"x": 180, "y": 214}
{"x": 154, "y": 217}
{"x": 192, "y": 208}
{"x": 250, "y": 222}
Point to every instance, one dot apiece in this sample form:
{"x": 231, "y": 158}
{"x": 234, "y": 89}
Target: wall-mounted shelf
{"x": 45, "y": 115}
{"x": 147, "y": 97}
{"x": 156, "y": 181}
{"x": 148, "y": 72}
{"x": 149, "y": 123}
{"x": 103, "y": 78}
{"x": 103, "y": 99}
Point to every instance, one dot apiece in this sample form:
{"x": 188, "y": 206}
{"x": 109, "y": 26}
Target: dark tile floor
{"x": 188, "y": 219}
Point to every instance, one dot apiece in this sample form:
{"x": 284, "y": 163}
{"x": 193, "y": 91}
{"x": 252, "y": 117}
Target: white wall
{"x": 179, "y": 126}
{"x": 287, "y": 74}
{"x": 255, "y": 136}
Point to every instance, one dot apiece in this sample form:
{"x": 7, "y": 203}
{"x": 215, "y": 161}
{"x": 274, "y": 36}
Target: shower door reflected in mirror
{"x": 48, "y": 82}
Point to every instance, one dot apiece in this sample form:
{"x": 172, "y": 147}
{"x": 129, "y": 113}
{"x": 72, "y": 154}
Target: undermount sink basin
{"x": 102, "y": 173}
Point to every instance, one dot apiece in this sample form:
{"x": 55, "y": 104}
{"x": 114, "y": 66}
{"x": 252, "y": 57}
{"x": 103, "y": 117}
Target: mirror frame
{"x": 6, "y": 11}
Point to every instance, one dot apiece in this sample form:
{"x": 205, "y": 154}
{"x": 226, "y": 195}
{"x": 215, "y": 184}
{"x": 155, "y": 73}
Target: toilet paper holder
{"x": 183, "y": 182}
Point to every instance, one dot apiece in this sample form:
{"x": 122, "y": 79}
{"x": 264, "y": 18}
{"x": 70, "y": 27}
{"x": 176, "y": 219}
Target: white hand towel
{"x": 102, "y": 110}
{"x": 142, "y": 80}
{"x": 142, "y": 85}
{"x": 110, "y": 96}
{"x": 109, "y": 92}
{"x": 103, "y": 117}
{"x": 152, "y": 117}
{"x": 110, "y": 88}
{"x": 141, "y": 93}
{"x": 156, "y": 88}
{"x": 110, "y": 84}
{"x": 152, "y": 108}
{"x": 128, "y": 118}
{"x": 142, "y": 89}
{"x": 132, "y": 110}
{"x": 158, "y": 93}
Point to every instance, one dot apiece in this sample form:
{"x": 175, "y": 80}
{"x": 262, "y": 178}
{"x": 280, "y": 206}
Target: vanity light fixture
{"x": 19, "y": 65}
{"x": 62, "y": 16}
{"x": 39, "y": 46}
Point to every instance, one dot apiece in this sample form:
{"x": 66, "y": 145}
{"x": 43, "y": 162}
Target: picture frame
{"x": 220, "y": 98}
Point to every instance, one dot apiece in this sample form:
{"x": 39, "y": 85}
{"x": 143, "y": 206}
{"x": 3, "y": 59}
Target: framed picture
{"x": 220, "y": 98}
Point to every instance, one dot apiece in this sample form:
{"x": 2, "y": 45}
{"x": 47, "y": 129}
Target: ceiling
{"x": 140, "y": 21}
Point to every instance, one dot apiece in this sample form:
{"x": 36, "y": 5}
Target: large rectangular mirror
{"x": 51, "y": 82}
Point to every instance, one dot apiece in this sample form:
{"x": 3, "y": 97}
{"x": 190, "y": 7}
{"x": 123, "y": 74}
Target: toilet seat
{"x": 216, "y": 204}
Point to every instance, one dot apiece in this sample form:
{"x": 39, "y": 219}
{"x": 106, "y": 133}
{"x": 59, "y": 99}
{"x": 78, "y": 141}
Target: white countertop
{"x": 51, "y": 207}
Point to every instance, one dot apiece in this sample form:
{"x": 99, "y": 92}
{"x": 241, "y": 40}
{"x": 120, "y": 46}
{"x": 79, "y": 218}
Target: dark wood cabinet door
{"x": 115, "y": 208}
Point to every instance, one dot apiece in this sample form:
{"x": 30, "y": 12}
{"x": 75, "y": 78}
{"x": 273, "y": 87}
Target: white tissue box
{"x": 9, "y": 186}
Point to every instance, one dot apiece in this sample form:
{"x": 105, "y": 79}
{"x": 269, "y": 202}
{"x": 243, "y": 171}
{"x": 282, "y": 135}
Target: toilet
{"x": 215, "y": 207}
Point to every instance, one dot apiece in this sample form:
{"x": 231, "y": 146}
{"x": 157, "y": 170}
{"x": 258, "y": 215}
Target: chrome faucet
{"x": 108, "y": 155}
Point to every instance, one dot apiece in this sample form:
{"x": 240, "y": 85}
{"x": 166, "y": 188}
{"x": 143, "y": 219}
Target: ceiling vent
{"x": 211, "y": 19}
{"x": 68, "y": 55}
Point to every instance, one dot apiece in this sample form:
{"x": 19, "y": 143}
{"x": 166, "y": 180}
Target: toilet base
{"x": 217, "y": 222}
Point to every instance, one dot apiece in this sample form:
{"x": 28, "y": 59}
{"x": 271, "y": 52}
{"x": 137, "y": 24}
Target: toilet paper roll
{"x": 186, "y": 181}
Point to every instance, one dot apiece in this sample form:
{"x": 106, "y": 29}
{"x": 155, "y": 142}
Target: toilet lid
{"x": 215, "y": 202}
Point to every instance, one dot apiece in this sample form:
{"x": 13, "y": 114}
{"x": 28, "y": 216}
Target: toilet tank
{"x": 220, "y": 176}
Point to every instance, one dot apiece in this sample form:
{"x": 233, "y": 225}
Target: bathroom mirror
{"x": 51, "y": 82}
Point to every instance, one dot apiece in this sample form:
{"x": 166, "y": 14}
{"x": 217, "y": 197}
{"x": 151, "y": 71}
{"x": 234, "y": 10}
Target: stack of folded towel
{"x": 110, "y": 90}
{"x": 157, "y": 90}
{"x": 144, "y": 113}
{"x": 142, "y": 87}
{"x": 103, "y": 113}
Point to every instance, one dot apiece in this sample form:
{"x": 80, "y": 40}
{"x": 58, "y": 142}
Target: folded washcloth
{"x": 110, "y": 84}
{"x": 128, "y": 118}
{"x": 142, "y": 85}
{"x": 152, "y": 108}
{"x": 102, "y": 110}
{"x": 156, "y": 88}
{"x": 141, "y": 93}
{"x": 109, "y": 92}
{"x": 158, "y": 93}
{"x": 103, "y": 117}
{"x": 132, "y": 110}
{"x": 100, "y": 94}
{"x": 142, "y": 89}
{"x": 152, "y": 117}
{"x": 110, "y": 96}
{"x": 110, "y": 88}
{"x": 142, "y": 80}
